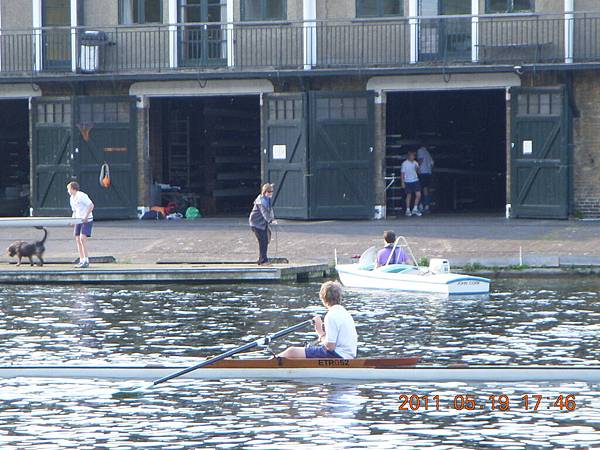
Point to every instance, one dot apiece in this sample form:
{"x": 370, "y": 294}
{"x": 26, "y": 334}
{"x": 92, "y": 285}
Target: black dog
{"x": 25, "y": 249}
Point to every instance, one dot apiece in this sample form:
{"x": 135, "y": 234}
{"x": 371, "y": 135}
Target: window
{"x": 104, "y": 112}
{"x": 509, "y": 6}
{"x": 264, "y": 10}
{"x": 200, "y": 11}
{"x": 56, "y": 13}
{"x": 379, "y": 8}
{"x": 140, "y": 11}
{"x": 54, "y": 113}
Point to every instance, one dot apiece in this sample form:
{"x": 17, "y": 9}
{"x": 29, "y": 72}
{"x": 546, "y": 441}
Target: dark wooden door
{"x": 539, "y": 154}
{"x": 284, "y": 153}
{"x": 56, "y": 36}
{"x": 105, "y": 133}
{"x": 51, "y": 156}
{"x": 72, "y": 139}
{"x": 203, "y": 44}
{"x": 341, "y": 155}
{"x": 445, "y": 38}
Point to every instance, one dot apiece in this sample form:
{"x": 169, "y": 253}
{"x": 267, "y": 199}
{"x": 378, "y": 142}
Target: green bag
{"x": 192, "y": 213}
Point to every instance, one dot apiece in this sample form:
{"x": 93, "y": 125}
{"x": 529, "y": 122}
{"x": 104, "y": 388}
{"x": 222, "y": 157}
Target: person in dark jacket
{"x": 260, "y": 218}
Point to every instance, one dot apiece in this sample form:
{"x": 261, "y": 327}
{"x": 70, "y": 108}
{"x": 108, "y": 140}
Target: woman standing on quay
{"x": 260, "y": 218}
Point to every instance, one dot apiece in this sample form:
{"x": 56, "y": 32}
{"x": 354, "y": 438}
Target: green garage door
{"x": 52, "y": 156}
{"x": 318, "y": 150}
{"x": 284, "y": 153}
{"x": 106, "y": 134}
{"x": 539, "y": 154}
{"x": 341, "y": 155}
{"x": 72, "y": 139}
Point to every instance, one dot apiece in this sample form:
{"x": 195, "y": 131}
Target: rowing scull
{"x": 388, "y": 369}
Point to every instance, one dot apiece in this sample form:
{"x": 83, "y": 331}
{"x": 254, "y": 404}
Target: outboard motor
{"x": 438, "y": 265}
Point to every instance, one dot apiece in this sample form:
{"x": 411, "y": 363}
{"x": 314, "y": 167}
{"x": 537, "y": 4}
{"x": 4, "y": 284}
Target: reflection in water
{"x": 525, "y": 321}
{"x": 556, "y": 324}
{"x": 251, "y": 414}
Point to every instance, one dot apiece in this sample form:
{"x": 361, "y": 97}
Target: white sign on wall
{"x": 527, "y": 147}
{"x": 279, "y": 151}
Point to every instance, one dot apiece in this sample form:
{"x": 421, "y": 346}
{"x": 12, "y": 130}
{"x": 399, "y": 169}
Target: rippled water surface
{"x": 525, "y": 321}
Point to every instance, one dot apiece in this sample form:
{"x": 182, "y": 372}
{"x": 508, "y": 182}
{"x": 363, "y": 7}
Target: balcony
{"x": 486, "y": 40}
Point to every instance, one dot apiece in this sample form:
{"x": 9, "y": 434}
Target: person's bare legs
{"x": 415, "y": 210}
{"x": 424, "y": 197}
{"x": 408, "y": 199}
{"x": 83, "y": 242}
{"x": 293, "y": 352}
{"x": 80, "y": 248}
{"x": 417, "y": 198}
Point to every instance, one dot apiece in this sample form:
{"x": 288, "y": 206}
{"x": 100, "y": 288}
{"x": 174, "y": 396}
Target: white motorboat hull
{"x": 351, "y": 275}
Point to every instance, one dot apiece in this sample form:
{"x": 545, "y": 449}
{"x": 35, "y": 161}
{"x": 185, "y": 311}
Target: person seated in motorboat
{"x": 391, "y": 253}
{"x": 337, "y": 335}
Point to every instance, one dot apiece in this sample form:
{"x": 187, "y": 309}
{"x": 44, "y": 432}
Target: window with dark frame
{"x": 57, "y": 13}
{"x": 509, "y": 6}
{"x": 379, "y": 8}
{"x": 140, "y": 11}
{"x": 190, "y": 11}
{"x": 254, "y": 10}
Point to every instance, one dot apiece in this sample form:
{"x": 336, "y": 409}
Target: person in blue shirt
{"x": 383, "y": 255}
{"x": 260, "y": 218}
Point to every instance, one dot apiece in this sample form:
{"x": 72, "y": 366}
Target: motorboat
{"x": 436, "y": 278}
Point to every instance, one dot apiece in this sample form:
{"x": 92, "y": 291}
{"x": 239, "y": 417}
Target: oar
{"x": 138, "y": 392}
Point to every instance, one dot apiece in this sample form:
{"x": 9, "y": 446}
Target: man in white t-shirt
{"x": 426, "y": 163}
{"x": 337, "y": 336}
{"x": 82, "y": 208}
{"x": 410, "y": 183}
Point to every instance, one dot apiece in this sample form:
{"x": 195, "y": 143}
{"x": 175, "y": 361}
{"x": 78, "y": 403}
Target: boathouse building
{"x": 195, "y": 102}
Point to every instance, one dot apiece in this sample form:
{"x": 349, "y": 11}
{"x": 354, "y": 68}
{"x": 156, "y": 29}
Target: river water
{"x": 523, "y": 321}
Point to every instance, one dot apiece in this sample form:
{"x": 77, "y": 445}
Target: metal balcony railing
{"x": 389, "y": 43}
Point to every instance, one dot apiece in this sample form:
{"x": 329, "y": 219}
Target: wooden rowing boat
{"x": 373, "y": 369}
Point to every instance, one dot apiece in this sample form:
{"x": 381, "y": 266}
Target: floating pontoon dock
{"x": 161, "y": 273}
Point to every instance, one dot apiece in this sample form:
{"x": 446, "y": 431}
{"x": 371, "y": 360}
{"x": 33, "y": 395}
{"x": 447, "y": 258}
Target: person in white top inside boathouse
{"x": 426, "y": 163}
{"x": 410, "y": 183}
{"x": 337, "y": 336}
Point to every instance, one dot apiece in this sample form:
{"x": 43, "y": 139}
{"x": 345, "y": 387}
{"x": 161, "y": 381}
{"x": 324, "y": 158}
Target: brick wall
{"x": 586, "y": 145}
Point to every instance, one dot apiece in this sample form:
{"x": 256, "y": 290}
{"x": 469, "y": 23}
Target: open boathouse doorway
{"x": 14, "y": 158}
{"x": 465, "y": 133}
{"x": 205, "y": 152}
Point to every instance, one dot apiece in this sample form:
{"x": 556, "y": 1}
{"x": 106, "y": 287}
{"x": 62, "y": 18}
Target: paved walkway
{"x": 485, "y": 239}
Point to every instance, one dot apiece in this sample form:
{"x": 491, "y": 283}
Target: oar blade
{"x": 135, "y": 392}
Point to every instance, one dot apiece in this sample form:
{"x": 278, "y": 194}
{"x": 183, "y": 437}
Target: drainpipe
{"x": 172, "y": 34}
{"x": 509, "y": 150}
{"x": 309, "y": 31}
{"x": 475, "y": 30}
{"x": 230, "y": 48}
{"x": 74, "y": 24}
{"x": 413, "y": 23}
{"x": 569, "y": 30}
{"x": 37, "y": 34}
{"x": 0, "y": 38}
